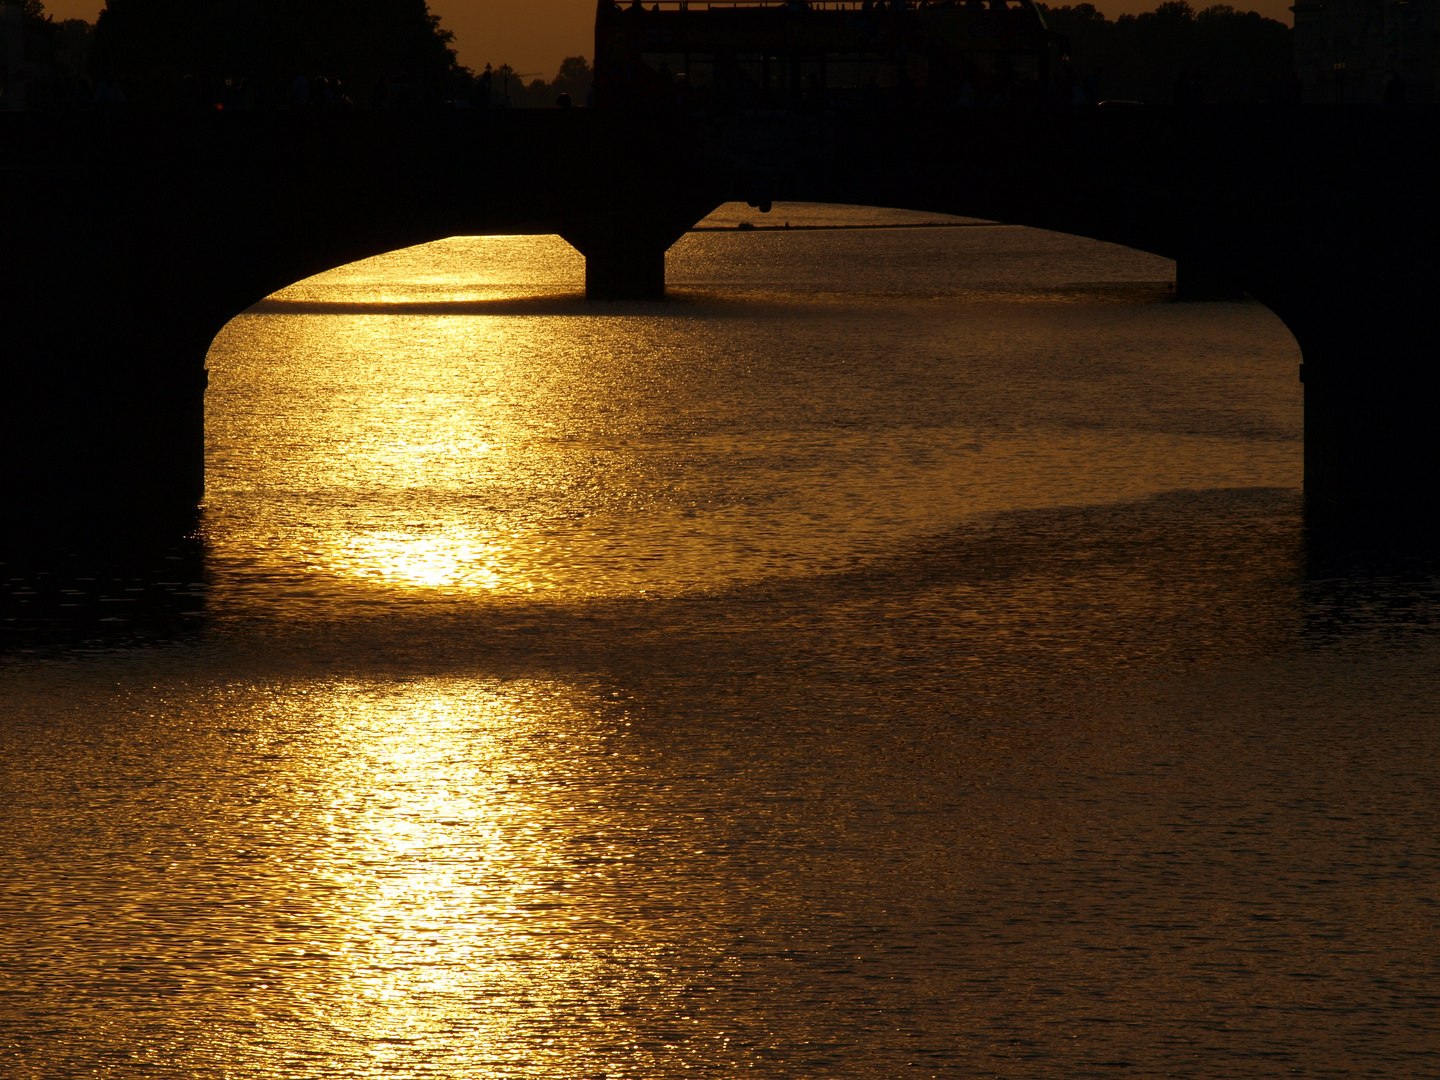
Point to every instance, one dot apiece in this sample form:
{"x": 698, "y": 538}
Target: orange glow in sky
{"x": 535, "y": 35}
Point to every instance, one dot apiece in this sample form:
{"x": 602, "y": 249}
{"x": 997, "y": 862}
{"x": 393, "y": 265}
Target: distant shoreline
{"x": 746, "y": 226}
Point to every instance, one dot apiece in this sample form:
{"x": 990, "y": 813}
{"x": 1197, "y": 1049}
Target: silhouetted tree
{"x": 71, "y": 44}
{"x": 1238, "y": 53}
{"x": 573, "y": 78}
{"x": 151, "y": 46}
{"x": 56, "y": 57}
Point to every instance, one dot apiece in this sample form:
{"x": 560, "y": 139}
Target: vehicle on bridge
{"x": 718, "y": 54}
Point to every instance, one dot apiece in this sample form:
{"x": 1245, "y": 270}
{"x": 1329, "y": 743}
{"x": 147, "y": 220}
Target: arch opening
{"x": 658, "y": 442}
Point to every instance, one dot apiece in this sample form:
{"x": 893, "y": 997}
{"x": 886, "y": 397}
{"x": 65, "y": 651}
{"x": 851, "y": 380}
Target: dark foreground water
{"x": 900, "y": 654}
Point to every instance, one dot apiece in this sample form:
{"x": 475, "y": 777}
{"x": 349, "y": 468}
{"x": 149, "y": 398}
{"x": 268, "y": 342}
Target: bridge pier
{"x": 1372, "y": 415}
{"x": 625, "y": 272}
{"x": 625, "y": 249}
{"x": 102, "y": 441}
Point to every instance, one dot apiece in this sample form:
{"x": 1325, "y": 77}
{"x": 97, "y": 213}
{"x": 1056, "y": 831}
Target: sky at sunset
{"x": 535, "y": 35}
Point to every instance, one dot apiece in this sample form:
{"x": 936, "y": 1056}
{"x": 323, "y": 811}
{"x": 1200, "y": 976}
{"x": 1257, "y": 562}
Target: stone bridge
{"x": 128, "y": 240}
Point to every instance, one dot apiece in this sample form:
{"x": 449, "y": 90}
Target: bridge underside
{"x": 143, "y": 234}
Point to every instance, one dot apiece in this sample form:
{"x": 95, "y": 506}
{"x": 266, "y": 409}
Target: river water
{"x": 897, "y": 654}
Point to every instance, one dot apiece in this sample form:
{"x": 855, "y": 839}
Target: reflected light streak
{"x": 447, "y": 560}
{"x": 435, "y": 916}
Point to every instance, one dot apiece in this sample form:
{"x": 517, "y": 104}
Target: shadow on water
{"x": 143, "y": 588}
{"x": 568, "y": 304}
{"x": 712, "y": 299}
{"x": 1088, "y": 593}
{"x": 1366, "y": 574}
{"x": 1173, "y": 572}
{"x": 1097, "y": 592}
{"x": 686, "y": 302}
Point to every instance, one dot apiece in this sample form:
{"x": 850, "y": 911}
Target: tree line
{"x": 270, "y": 53}
{"x": 162, "y": 52}
{"x": 250, "y": 53}
{"x": 1226, "y": 55}
{"x": 507, "y": 88}
{"x": 60, "y": 46}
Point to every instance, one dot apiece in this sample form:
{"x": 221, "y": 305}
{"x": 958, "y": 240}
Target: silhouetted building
{"x": 1349, "y": 51}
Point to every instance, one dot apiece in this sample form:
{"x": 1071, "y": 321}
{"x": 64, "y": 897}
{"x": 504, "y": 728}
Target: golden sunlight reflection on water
{"x": 453, "y": 560}
{"x": 443, "y": 836}
{"x": 408, "y": 872}
{"x": 398, "y": 429}
{"x": 893, "y": 655}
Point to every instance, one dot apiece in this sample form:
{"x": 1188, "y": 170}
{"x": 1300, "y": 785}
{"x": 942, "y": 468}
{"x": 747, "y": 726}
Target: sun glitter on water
{"x": 449, "y": 559}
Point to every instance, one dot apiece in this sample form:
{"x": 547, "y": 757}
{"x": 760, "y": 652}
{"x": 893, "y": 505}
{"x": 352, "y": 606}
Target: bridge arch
{"x": 1323, "y": 215}
{"x": 455, "y": 378}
